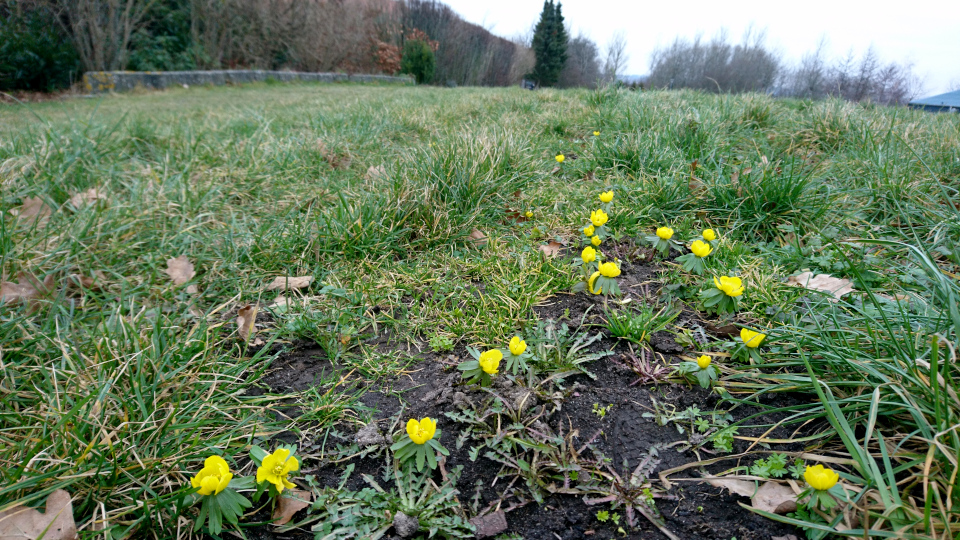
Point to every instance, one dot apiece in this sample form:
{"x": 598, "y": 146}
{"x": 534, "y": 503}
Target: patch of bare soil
{"x": 627, "y": 433}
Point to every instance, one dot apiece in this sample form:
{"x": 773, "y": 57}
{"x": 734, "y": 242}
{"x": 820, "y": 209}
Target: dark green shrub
{"x": 418, "y": 60}
{"x": 35, "y": 53}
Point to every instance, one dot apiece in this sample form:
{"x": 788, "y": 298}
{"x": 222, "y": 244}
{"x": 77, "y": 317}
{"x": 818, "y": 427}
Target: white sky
{"x": 926, "y": 33}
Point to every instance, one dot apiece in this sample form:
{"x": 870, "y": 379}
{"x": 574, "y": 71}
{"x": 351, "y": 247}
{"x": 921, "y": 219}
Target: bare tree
{"x": 582, "y": 68}
{"x": 617, "y": 57}
{"x": 101, "y": 29}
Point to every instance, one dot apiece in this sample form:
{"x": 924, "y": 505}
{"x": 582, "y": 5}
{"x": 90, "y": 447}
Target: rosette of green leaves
{"x": 705, "y": 376}
{"x": 226, "y": 506}
{"x": 692, "y": 263}
{"x": 411, "y": 454}
{"x": 515, "y": 363}
{"x": 472, "y": 372}
{"x": 717, "y": 301}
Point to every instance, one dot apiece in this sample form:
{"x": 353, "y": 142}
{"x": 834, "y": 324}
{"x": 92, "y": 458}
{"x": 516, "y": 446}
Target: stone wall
{"x": 123, "y": 81}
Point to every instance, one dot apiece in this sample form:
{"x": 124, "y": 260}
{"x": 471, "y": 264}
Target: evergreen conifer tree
{"x": 549, "y": 45}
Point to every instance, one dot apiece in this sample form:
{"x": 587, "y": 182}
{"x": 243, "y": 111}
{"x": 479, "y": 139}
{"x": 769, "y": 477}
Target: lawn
{"x": 135, "y": 229}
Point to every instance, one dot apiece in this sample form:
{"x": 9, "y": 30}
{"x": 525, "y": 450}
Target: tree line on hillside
{"x": 45, "y": 44}
{"x": 718, "y": 65}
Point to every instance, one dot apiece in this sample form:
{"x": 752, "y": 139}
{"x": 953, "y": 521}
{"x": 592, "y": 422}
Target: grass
{"x": 118, "y": 391}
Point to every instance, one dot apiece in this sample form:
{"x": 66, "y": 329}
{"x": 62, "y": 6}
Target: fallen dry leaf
{"x": 478, "y": 238}
{"x": 289, "y": 283}
{"x": 375, "y": 173}
{"x": 490, "y": 524}
{"x": 27, "y": 288}
{"x": 293, "y": 501}
{"x": 552, "y": 249}
{"x": 769, "y": 497}
{"x": 744, "y": 488}
{"x": 54, "y": 523}
{"x": 246, "y": 317}
{"x": 787, "y": 537}
{"x": 181, "y": 271}
{"x": 822, "y": 282}
{"x": 775, "y": 497}
{"x": 91, "y": 195}
{"x": 34, "y": 210}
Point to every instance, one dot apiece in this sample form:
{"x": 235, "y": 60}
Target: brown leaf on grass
{"x": 289, "y": 283}
{"x": 34, "y": 210}
{"x": 54, "y": 523}
{"x": 516, "y": 215}
{"x": 775, "y": 497}
{"x": 478, "y": 238}
{"x": 89, "y": 196}
{"x": 725, "y": 330}
{"x": 552, "y": 249}
{"x": 27, "y": 289}
{"x": 76, "y": 282}
{"x": 246, "y": 318}
{"x": 375, "y": 173}
{"x": 336, "y": 160}
{"x": 181, "y": 271}
{"x": 292, "y": 501}
{"x": 822, "y": 282}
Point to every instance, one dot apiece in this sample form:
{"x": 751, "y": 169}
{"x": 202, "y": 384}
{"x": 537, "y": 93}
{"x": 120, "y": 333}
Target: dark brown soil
{"x": 689, "y": 509}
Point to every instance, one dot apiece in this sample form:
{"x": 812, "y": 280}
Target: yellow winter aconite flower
{"x": 588, "y": 254}
{"x": 529, "y": 214}
{"x": 752, "y": 339}
{"x": 490, "y": 361}
{"x": 704, "y": 362}
{"x": 665, "y": 233}
{"x": 595, "y": 240}
{"x": 709, "y": 235}
{"x": 609, "y": 269}
{"x": 517, "y": 346}
{"x": 276, "y": 467}
{"x": 588, "y": 230}
{"x": 422, "y": 431}
{"x": 591, "y": 281}
{"x": 598, "y": 218}
{"x": 597, "y": 134}
{"x": 560, "y": 158}
{"x": 700, "y": 248}
{"x": 606, "y": 196}
{"x": 731, "y": 286}
{"x": 820, "y": 478}
{"x": 213, "y": 477}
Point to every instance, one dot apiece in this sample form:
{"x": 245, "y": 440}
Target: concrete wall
{"x": 122, "y": 81}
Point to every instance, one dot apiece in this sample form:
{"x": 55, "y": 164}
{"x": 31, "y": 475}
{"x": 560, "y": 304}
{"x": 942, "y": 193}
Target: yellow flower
{"x": 606, "y": 196}
{"x": 490, "y": 361}
{"x": 213, "y": 477}
{"x": 276, "y": 467}
{"x": 517, "y": 346}
{"x": 588, "y": 254}
{"x": 595, "y": 240}
{"x": 752, "y": 339}
{"x": 820, "y": 478}
{"x": 704, "y": 362}
{"x": 609, "y": 269}
{"x": 597, "y": 134}
{"x": 665, "y": 233}
{"x": 599, "y": 218}
{"x": 709, "y": 235}
{"x": 591, "y": 281}
{"x": 731, "y": 286}
{"x": 422, "y": 431}
{"x": 589, "y": 230}
{"x": 560, "y": 158}
{"x": 700, "y": 249}
{"x": 529, "y": 214}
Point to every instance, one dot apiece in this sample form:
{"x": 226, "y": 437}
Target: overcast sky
{"x": 926, "y": 33}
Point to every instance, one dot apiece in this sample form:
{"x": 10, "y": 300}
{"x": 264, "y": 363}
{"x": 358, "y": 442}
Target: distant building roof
{"x": 950, "y": 99}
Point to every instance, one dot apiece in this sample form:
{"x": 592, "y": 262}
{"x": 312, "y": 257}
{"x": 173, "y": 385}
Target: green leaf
{"x": 257, "y": 454}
